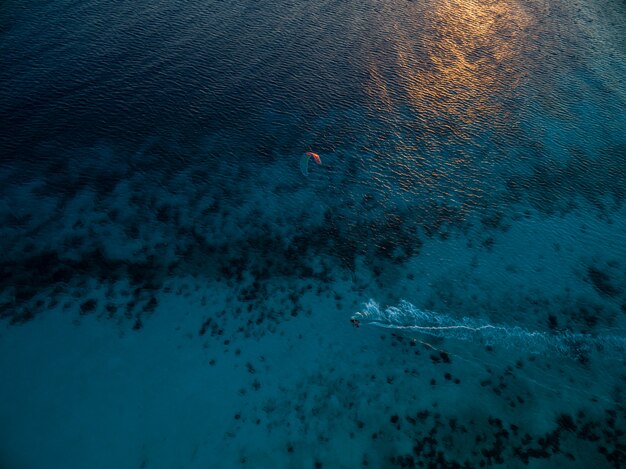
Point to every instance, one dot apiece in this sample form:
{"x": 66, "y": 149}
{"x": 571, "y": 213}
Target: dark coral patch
{"x": 602, "y": 282}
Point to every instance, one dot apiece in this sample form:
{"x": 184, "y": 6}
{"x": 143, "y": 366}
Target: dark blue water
{"x": 154, "y": 217}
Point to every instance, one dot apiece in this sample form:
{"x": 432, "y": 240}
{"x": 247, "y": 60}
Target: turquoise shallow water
{"x": 176, "y": 292}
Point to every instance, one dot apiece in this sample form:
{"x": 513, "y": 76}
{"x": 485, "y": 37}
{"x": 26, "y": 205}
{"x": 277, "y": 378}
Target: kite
{"x": 304, "y": 161}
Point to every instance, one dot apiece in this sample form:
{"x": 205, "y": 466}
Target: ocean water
{"x": 447, "y": 289}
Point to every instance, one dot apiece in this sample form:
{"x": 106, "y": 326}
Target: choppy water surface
{"x": 473, "y": 164}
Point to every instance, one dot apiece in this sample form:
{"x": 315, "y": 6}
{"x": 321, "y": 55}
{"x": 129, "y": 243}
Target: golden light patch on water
{"x": 456, "y": 65}
{"x": 468, "y": 61}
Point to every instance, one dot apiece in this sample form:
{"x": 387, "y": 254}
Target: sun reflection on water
{"x": 453, "y": 77}
{"x": 464, "y": 64}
